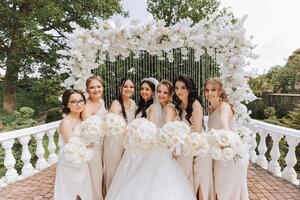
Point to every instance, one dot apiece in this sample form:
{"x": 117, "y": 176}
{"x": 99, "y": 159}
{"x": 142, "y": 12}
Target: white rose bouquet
{"x": 76, "y": 152}
{"x": 196, "y": 144}
{"x": 141, "y": 133}
{"x": 92, "y": 130}
{"x": 115, "y": 125}
{"x": 173, "y": 134}
{"x": 225, "y": 145}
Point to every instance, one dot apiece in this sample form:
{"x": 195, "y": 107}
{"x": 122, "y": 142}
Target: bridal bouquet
{"x": 173, "y": 134}
{"x": 92, "y": 130}
{"x": 225, "y": 145}
{"x": 76, "y": 152}
{"x": 141, "y": 133}
{"x": 115, "y": 125}
{"x": 196, "y": 144}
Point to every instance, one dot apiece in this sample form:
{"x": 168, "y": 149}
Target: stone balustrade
{"x": 40, "y": 132}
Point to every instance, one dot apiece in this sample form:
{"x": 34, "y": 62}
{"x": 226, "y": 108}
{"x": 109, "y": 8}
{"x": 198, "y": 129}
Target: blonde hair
{"x": 90, "y": 79}
{"x": 217, "y": 81}
{"x": 168, "y": 84}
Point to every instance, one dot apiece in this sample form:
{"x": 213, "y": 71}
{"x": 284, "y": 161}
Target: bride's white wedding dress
{"x": 149, "y": 175}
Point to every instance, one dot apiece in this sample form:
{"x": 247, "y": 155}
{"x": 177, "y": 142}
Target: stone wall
{"x": 275, "y": 99}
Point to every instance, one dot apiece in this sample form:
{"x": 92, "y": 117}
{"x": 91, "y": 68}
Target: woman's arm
{"x": 66, "y": 130}
{"x": 115, "y": 107}
{"x": 170, "y": 113}
{"x": 225, "y": 115}
{"x": 85, "y": 113}
{"x": 197, "y": 116}
{"x": 152, "y": 114}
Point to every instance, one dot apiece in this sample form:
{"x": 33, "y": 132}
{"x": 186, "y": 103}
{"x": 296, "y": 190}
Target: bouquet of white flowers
{"x": 225, "y": 145}
{"x": 76, "y": 152}
{"x": 141, "y": 134}
{"x": 172, "y": 135}
{"x": 196, "y": 144}
{"x": 92, "y": 130}
{"x": 115, "y": 125}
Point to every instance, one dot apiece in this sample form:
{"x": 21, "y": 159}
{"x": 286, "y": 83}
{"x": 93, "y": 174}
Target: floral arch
{"x": 222, "y": 37}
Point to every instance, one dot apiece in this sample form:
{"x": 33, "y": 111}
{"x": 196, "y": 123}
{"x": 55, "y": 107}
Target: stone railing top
{"x": 285, "y": 94}
{"x": 27, "y": 131}
{"x": 271, "y": 128}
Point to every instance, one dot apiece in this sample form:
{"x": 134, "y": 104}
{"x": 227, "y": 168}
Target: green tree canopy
{"x": 31, "y": 32}
{"x": 283, "y": 79}
{"x": 172, "y": 10}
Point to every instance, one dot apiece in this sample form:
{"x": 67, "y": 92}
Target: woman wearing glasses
{"x": 95, "y": 106}
{"x": 72, "y": 180}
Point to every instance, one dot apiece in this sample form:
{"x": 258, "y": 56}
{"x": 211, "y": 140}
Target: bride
{"x": 151, "y": 175}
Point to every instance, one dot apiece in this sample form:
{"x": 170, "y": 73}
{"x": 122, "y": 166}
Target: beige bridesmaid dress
{"x": 230, "y": 177}
{"x": 198, "y": 170}
{"x": 96, "y": 164}
{"x": 71, "y": 180}
{"x": 186, "y": 162}
{"x": 113, "y": 150}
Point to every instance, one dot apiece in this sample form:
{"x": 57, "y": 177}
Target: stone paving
{"x": 262, "y": 186}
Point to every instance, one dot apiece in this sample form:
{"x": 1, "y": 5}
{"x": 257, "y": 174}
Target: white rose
{"x": 216, "y": 153}
{"x": 228, "y": 154}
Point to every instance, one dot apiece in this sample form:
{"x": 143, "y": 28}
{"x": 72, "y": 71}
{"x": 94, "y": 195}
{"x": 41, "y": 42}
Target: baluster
{"x": 51, "y": 147}
{"x": 41, "y": 162}
{"x": 27, "y": 168}
{"x": 11, "y": 174}
{"x": 262, "y": 149}
{"x": 289, "y": 172}
{"x": 252, "y": 152}
{"x": 274, "y": 166}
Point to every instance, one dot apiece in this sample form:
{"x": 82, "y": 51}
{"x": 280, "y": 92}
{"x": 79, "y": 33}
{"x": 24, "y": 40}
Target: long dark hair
{"x": 66, "y": 97}
{"x": 120, "y": 98}
{"x": 143, "y": 105}
{"x": 193, "y": 95}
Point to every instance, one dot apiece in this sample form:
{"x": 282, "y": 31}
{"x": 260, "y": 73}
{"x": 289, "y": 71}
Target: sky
{"x": 273, "y": 23}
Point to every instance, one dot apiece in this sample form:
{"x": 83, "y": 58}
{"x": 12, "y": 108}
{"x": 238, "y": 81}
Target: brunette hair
{"x": 143, "y": 105}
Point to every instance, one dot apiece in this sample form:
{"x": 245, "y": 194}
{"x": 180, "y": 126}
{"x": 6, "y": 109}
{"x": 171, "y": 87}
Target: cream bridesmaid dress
{"x": 113, "y": 150}
{"x": 72, "y": 180}
{"x": 199, "y": 170}
{"x": 230, "y": 177}
{"x": 96, "y": 164}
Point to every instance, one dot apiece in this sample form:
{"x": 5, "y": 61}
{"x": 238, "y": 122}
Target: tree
{"x": 172, "y": 10}
{"x": 31, "y": 31}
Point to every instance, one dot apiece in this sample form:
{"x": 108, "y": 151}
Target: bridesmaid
{"x": 230, "y": 177}
{"x": 72, "y": 181}
{"x": 164, "y": 96}
{"x": 198, "y": 171}
{"x": 113, "y": 150}
{"x": 95, "y": 106}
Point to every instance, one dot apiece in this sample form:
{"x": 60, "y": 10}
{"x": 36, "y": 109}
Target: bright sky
{"x": 273, "y": 23}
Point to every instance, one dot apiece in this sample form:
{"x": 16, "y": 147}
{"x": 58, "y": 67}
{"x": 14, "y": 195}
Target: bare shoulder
{"x": 197, "y": 105}
{"x": 170, "y": 107}
{"x": 226, "y": 108}
{"x": 115, "y": 104}
{"x": 153, "y": 108}
{"x": 65, "y": 124}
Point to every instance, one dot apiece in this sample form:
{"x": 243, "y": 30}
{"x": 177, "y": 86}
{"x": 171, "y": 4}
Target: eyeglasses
{"x": 75, "y": 102}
